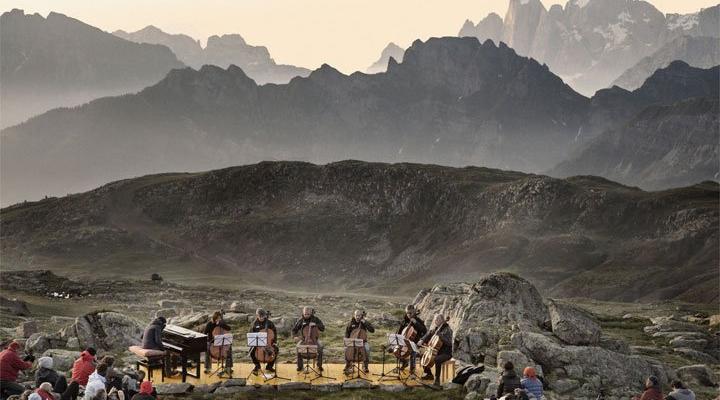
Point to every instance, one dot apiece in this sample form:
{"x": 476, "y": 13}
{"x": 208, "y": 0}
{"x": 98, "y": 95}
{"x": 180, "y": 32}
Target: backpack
{"x": 464, "y": 374}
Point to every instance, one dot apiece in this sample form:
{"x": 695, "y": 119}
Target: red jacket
{"x": 83, "y": 367}
{"x": 651, "y": 393}
{"x": 10, "y": 365}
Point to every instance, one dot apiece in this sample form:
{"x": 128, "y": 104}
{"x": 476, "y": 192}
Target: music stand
{"x": 394, "y": 340}
{"x": 355, "y": 345}
{"x": 221, "y": 341}
{"x": 259, "y": 339}
{"x": 306, "y": 349}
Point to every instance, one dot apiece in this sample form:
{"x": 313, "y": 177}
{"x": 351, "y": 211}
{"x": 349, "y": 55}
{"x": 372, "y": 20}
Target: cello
{"x": 355, "y": 354}
{"x": 267, "y": 353}
{"x": 218, "y": 352}
{"x": 433, "y": 347}
{"x": 411, "y": 335}
{"x": 307, "y": 348}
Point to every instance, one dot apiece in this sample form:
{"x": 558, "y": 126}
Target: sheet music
{"x": 395, "y": 340}
{"x": 258, "y": 339}
{"x": 414, "y": 346}
{"x": 223, "y": 340}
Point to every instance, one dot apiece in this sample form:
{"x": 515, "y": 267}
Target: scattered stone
{"x": 283, "y": 326}
{"x": 714, "y": 320}
{"x": 293, "y": 386}
{"x": 164, "y": 312}
{"x": 565, "y": 385}
{"x": 699, "y": 374}
{"x": 394, "y": 388}
{"x": 451, "y": 386}
{"x": 645, "y": 350}
{"x": 357, "y": 384}
{"x": 572, "y": 325}
{"x": 519, "y": 360}
{"x": 173, "y": 388}
{"x": 105, "y": 331}
{"x": 237, "y": 307}
{"x": 689, "y": 342}
{"x": 37, "y": 343}
{"x": 172, "y": 303}
{"x": 206, "y": 388}
{"x": 190, "y": 321}
{"x": 474, "y": 396}
{"x": 14, "y": 306}
{"x": 696, "y": 355}
{"x": 238, "y": 318}
{"x": 27, "y": 329}
{"x": 73, "y": 343}
{"x": 234, "y": 382}
{"x": 327, "y": 387}
{"x": 233, "y": 389}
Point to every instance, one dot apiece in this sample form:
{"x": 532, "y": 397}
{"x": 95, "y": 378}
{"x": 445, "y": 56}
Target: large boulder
{"x": 698, "y": 374}
{"x": 105, "y": 330}
{"x": 483, "y": 312}
{"x": 62, "y": 359}
{"x": 190, "y": 321}
{"x": 27, "y": 329}
{"x": 621, "y": 374}
{"x": 519, "y": 360}
{"x": 572, "y": 325}
{"x": 14, "y": 306}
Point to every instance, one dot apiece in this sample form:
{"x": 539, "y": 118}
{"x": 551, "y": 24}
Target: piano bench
{"x": 150, "y": 364}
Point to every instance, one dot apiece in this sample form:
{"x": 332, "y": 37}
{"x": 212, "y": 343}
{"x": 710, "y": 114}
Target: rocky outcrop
{"x": 572, "y": 325}
{"x": 690, "y": 339}
{"x": 697, "y": 374}
{"x": 105, "y": 330}
{"x": 14, "y": 306}
{"x": 390, "y": 51}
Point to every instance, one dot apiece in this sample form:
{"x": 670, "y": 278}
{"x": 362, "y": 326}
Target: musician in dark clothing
{"x": 152, "y": 337}
{"x": 442, "y": 329}
{"x": 411, "y": 318}
{"x": 217, "y": 321}
{"x": 262, "y": 322}
{"x": 358, "y": 321}
{"x": 308, "y": 318}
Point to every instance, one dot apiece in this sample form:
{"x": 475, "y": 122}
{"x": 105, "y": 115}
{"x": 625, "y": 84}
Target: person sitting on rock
{"x": 652, "y": 390}
{"x": 531, "y": 383}
{"x": 411, "y": 318}
{"x": 509, "y": 381}
{"x": 45, "y": 390}
{"x": 46, "y": 373}
{"x": 10, "y": 366}
{"x": 112, "y": 378}
{"x": 146, "y": 392}
{"x": 81, "y": 370}
{"x": 680, "y": 392}
{"x": 131, "y": 381}
{"x": 96, "y": 382}
{"x": 440, "y": 328}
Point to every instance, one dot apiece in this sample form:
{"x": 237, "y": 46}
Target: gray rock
{"x": 62, "y": 359}
{"x": 688, "y": 342}
{"x": 451, "y": 386}
{"x": 164, "y": 312}
{"x": 668, "y": 324}
{"x": 173, "y": 388}
{"x": 695, "y": 355}
{"x": 14, "y": 306}
{"x": 698, "y": 374}
{"x": 327, "y": 387}
{"x": 73, "y": 343}
{"x": 283, "y": 325}
{"x": 234, "y": 382}
{"x": 394, "y": 388}
{"x": 293, "y": 386}
{"x": 105, "y": 331}
{"x": 238, "y": 318}
{"x": 238, "y": 307}
{"x": 37, "y": 343}
{"x": 233, "y": 389}
{"x": 206, "y": 388}
{"x": 27, "y": 329}
{"x": 565, "y": 385}
{"x": 519, "y": 360}
{"x": 356, "y": 384}
{"x": 572, "y": 325}
{"x": 172, "y": 303}
{"x": 191, "y": 320}
{"x": 476, "y": 383}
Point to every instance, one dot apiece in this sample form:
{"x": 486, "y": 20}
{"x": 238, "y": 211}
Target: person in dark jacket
{"x": 509, "y": 381}
{"x": 652, "y": 390}
{"x": 46, "y": 373}
{"x": 358, "y": 321}
{"x": 152, "y": 337}
{"x": 411, "y": 318}
{"x": 442, "y": 329}
{"x": 680, "y": 392}
{"x": 217, "y": 321}
{"x": 10, "y": 365}
{"x": 308, "y": 318}
{"x": 262, "y": 322}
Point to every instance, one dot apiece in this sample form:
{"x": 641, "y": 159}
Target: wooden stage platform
{"x": 287, "y": 370}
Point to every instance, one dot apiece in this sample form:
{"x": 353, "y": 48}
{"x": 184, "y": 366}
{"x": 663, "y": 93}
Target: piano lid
{"x": 180, "y": 331}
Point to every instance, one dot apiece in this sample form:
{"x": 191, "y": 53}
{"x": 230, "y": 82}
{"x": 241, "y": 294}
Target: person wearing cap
{"x": 81, "y": 370}
{"x": 215, "y": 322}
{"x": 531, "y": 383}
{"x": 262, "y": 322}
{"x": 45, "y": 390}
{"x": 146, "y": 392}
{"x": 10, "y": 365}
{"x": 411, "y": 318}
{"x": 46, "y": 373}
{"x": 652, "y": 390}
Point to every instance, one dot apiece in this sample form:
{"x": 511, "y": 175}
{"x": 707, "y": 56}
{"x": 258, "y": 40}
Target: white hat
{"x": 34, "y": 396}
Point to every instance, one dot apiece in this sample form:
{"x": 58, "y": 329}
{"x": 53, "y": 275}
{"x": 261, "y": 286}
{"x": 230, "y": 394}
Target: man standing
{"x": 10, "y": 365}
{"x": 308, "y": 319}
{"x": 442, "y": 329}
{"x": 358, "y": 322}
{"x": 411, "y": 318}
{"x": 263, "y": 323}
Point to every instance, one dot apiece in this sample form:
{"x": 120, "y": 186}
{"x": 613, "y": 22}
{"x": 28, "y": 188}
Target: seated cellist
{"x": 308, "y": 318}
{"x": 263, "y": 323}
{"x": 442, "y": 329}
{"x": 358, "y": 321}
{"x": 215, "y": 322}
{"x": 411, "y": 318}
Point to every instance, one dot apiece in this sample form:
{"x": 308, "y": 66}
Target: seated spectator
{"x": 146, "y": 392}
{"x": 46, "y": 373}
{"x": 680, "y": 392}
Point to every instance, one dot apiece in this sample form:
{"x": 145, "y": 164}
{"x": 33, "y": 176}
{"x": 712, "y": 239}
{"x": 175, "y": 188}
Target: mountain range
{"x": 452, "y": 101}
{"x": 379, "y": 227}
{"x": 391, "y": 50}
{"x": 221, "y": 51}
{"x": 590, "y": 43}
{"x": 60, "y": 61}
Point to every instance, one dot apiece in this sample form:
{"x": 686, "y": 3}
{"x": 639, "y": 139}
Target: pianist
{"x": 152, "y": 340}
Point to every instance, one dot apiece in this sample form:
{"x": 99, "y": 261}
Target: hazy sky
{"x": 348, "y": 35}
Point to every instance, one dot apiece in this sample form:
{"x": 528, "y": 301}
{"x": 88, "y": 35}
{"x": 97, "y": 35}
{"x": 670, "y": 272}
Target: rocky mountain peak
{"x": 390, "y": 51}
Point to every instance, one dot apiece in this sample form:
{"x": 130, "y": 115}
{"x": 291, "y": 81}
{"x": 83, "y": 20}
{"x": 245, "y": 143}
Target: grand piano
{"x": 185, "y": 344}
